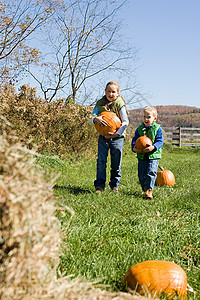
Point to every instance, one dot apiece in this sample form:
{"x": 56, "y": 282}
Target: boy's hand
{"x": 137, "y": 150}
{"x": 148, "y": 149}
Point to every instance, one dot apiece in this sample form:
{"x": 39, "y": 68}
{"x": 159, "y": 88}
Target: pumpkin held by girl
{"x": 113, "y": 123}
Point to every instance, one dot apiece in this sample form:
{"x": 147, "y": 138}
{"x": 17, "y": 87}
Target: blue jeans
{"x": 115, "y": 146}
{"x": 147, "y": 170}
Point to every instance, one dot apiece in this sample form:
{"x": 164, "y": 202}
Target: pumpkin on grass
{"x": 114, "y": 123}
{"x": 157, "y": 278}
{"x": 142, "y": 142}
{"x": 165, "y": 177}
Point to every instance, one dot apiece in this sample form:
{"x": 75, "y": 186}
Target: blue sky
{"x": 167, "y": 32}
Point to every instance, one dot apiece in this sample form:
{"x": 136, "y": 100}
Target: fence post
{"x": 179, "y": 136}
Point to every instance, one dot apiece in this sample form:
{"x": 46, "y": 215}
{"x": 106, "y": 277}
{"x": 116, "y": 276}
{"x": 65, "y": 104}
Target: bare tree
{"x": 19, "y": 19}
{"x": 83, "y": 41}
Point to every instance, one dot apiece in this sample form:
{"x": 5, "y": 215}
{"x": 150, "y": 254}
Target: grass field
{"x": 105, "y": 234}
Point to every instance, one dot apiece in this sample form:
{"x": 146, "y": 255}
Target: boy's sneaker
{"x": 99, "y": 189}
{"x": 115, "y": 190}
{"x": 148, "y": 194}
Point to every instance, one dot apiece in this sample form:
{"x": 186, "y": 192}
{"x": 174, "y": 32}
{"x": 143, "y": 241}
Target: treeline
{"x": 170, "y": 116}
{"x": 58, "y": 127}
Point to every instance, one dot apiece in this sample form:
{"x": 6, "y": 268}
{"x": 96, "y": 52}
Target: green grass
{"x": 110, "y": 232}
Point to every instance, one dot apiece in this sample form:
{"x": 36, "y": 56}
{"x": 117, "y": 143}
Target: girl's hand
{"x": 111, "y": 135}
{"x": 100, "y": 120}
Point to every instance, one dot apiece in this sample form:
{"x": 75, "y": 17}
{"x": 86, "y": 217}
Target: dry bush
{"x": 54, "y": 127}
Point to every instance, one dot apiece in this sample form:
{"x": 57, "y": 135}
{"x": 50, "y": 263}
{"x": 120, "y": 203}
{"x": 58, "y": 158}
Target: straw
{"x": 30, "y": 236}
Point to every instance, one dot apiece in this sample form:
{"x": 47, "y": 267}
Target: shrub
{"x": 58, "y": 127}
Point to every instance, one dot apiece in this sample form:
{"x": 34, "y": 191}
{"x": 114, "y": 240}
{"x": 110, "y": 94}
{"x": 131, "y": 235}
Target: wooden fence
{"x": 182, "y": 136}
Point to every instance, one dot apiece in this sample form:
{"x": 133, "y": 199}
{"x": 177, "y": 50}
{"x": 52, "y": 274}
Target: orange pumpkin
{"x": 142, "y": 142}
{"x": 165, "y": 177}
{"x": 113, "y": 121}
{"x": 157, "y": 277}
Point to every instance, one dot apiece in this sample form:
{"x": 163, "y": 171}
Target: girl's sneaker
{"x": 99, "y": 189}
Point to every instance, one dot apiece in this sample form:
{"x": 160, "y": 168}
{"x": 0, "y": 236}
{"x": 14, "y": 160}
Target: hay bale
{"x": 30, "y": 238}
{"x": 29, "y": 232}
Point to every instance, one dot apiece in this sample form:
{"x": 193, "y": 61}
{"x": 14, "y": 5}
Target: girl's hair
{"x": 113, "y": 82}
{"x": 151, "y": 109}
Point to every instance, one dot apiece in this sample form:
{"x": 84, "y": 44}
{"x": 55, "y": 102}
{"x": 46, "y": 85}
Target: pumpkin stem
{"x": 161, "y": 168}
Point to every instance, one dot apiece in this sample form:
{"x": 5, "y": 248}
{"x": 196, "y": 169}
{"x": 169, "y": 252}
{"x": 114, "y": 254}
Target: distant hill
{"x": 170, "y": 115}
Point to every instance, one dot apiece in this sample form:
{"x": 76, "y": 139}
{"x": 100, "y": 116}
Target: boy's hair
{"x": 151, "y": 109}
{"x": 113, "y": 82}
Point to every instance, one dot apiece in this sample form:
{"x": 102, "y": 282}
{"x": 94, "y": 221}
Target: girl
{"x": 111, "y": 101}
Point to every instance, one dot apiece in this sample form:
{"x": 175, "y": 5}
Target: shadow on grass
{"x": 76, "y": 190}
{"x": 134, "y": 194}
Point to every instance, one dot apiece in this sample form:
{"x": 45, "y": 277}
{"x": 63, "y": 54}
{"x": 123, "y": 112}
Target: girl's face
{"x": 148, "y": 118}
{"x": 112, "y": 92}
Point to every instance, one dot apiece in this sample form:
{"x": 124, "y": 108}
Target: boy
{"x": 148, "y": 158}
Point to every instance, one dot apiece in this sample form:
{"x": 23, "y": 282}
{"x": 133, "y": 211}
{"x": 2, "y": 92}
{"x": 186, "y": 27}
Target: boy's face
{"x": 112, "y": 92}
{"x": 148, "y": 118}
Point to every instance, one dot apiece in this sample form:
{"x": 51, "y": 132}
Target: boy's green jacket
{"x": 150, "y": 133}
